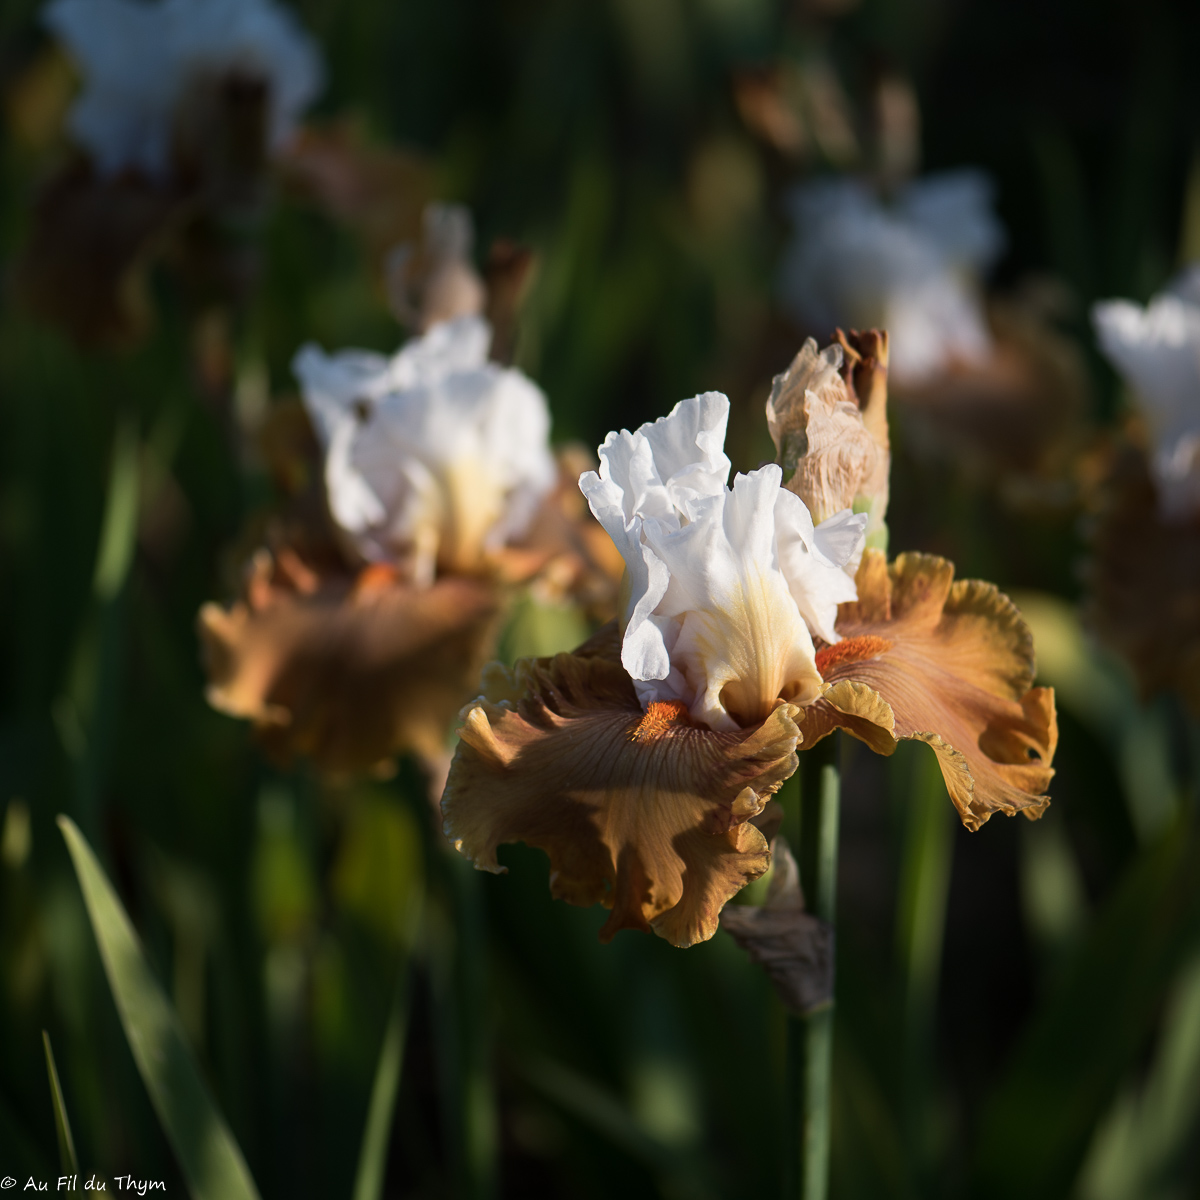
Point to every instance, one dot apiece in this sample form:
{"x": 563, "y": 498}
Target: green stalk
{"x": 924, "y": 890}
{"x": 810, "y": 1037}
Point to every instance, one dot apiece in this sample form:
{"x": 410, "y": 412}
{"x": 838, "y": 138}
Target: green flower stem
{"x": 810, "y": 1037}
{"x": 924, "y": 891}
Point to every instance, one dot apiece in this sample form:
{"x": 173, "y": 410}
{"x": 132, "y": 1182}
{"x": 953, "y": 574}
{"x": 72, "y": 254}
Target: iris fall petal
{"x": 348, "y": 672}
{"x": 947, "y": 663}
{"x": 643, "y": 812}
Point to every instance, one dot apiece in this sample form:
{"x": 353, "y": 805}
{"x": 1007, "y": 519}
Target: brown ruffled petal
{"x": 347, "y": 672}
{"x": 642, "y": 812}
{"x": 949, "y": 664}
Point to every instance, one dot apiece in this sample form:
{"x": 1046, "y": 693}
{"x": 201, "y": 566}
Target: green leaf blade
{"x": 209, "y": 1157}
{"x": 62, "y": 1123}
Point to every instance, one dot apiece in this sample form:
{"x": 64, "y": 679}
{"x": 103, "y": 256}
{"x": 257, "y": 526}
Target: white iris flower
{"x": 725, "y": 586}
{"x": 141, "y": 58}
{"x": 1157, "y": 350}
{"x": 913, "y": 267}
{"x": 434, "y": 456}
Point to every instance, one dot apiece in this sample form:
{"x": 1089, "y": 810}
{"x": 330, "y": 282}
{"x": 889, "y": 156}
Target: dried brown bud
{"x": 827, "y": 414}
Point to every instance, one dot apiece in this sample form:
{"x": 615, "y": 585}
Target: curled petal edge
{"x": 643, "y": 813}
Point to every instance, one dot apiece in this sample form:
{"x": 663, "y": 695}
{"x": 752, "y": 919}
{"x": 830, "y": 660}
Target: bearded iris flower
{"x": 1157, "y": 350}
{"x": 639, "y": 761}
{"x": 183, "y": 105}
{"x": 144, "y": 63}
{"x": 1145, "y": 569}
{"x": 987, "y": 384}
{"x": 436, "y": 458}
{"x": 914, "y": 267}
{"x": 435, "y": 462}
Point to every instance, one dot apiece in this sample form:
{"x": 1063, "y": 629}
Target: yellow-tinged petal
{"x": 347, "y": 672}
{"x": 644, "y": 813}
{"x": 949, "y": 664}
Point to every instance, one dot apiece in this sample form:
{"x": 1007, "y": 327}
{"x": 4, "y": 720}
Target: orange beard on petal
{"x": 660, "y": 716}
{"x": 850, "y": 650}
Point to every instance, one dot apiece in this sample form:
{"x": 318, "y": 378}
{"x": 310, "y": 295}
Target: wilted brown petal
{"x": 348, "y": 672}
{"x": 1145, "y": 581}
{"x": 84, "y": 265}
{"x": 945, "y": 663}
{"x": 790, "y": 944}
{"x": 642, "y": 812}
{"x": 865, "y": 372}
{"x": 827, "y": 414}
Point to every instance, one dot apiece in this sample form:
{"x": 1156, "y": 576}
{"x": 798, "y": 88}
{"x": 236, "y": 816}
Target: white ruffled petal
{"x": 711, "y": 618}
{"x": 742, "y": 641}
{"x": 667, "y": 463}
{"x": 814, "y": 561}
{"x": 1157, "y": 350}
{"x": 432, "y": 455}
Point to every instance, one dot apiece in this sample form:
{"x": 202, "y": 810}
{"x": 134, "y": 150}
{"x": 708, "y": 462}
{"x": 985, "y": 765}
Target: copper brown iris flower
{"x": 352, "y": 646}
{"x": 638, "y": 762}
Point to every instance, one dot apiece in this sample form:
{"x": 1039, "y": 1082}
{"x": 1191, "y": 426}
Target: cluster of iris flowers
{"x": 733, "y": 625}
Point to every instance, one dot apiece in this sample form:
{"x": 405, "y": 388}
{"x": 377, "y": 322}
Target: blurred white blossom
{"x": 913, "y": 267}
{"x": 1157, "y": 350}
{"x": 141, "y": 58}
{"x": 435, "y": 456}
{"x": 726, "y": 586}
